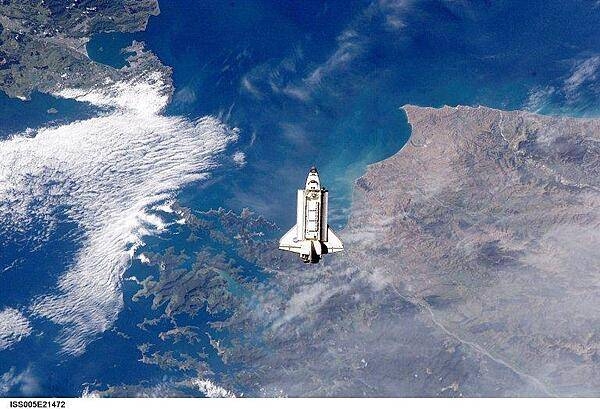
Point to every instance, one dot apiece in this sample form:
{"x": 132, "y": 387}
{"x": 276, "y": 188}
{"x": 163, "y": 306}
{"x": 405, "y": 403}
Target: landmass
{"x": 470, "y": 269}
{"x": 488, "y": 221}
{"x": 43, "y": 43}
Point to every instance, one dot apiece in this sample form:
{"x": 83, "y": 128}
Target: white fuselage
{"x": 311, "y": 213}
{"x": 311, "y": 237}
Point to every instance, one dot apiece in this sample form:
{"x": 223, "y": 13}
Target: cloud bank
{"x": 105, "y": 172}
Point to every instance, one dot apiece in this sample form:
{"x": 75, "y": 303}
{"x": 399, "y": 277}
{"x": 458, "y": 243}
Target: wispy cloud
{"x": 583, "y": 71}
{"x": 26, "y": 383}
{"x": 538, "y": 98}
{"x": 572, "y": 90}
{"x": 352, "y": 43}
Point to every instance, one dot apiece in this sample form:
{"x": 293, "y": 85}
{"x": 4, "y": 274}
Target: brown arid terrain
{"x": 489, "y": 222}
{"x": 471, "y": 268}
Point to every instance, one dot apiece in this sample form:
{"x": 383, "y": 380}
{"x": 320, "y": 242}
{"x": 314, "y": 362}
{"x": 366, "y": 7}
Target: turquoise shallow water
{"x": 307, "y": 83}
{"x": 322, "y": 83}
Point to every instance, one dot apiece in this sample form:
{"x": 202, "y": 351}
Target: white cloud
{"x": 350, "y": 46}
{"x": 13, "y": 327}
{"x": 144, "y": 259}
{"x": 25, "y": 382}
{"x": 395, "y": 13}
{"x": 249, "y": 86}
{"x": 571, "y": 88}
{"x": 239, "y": 158}
{"x": 107, "y": 171}
{"x": 538, "y": 98}
{"x": 212, "y": 390}
{"x": 307, "y": 301}
{"x": 185, "y": 96}
{"x": 583, "y": 71}
{"x": 7, "y": 381}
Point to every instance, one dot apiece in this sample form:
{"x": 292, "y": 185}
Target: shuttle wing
{"x": 333, "y": 243}
{"x": 288, "y": 241}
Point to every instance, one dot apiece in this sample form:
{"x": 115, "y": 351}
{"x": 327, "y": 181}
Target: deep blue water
{"x": 307, "y": 83}
{"x": 487, "y": 53}
{"x": 40, "y": 110}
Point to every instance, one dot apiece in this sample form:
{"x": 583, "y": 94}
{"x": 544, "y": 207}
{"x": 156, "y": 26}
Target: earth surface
{"x": 149, "y": 157}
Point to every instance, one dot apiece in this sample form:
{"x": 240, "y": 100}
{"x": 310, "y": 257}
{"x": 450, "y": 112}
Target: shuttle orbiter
{"x": 311, "y": 237}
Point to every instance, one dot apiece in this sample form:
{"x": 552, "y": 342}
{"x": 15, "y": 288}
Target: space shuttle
{"x": 311, "y": 237}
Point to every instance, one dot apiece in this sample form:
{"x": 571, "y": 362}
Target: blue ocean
{"x": 306, "y": 83}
